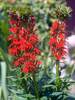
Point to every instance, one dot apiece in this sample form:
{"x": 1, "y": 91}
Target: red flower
{"x": 29, "y": 67}
{"x": 33, "y": 39}
{"x": 23, "y": 44}
{"x": 30, "y": 56}
{"x": 13, "y": 29}
{"x": 10, "y": 37}
{"x": 13, "y": 51}
{"x": 28, "y": 46}
{"x": 12, "y": 22}
{"x": 53, "y": 41}
{"x": 57, "y": 40}
{"x": 25, "y": 70}
{"x": 37, "y": 51}
{"x": 16, "y": 63}
{"x": 55, "y": 25}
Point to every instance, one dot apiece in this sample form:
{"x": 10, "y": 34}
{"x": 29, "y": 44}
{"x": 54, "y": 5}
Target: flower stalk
{"x": 35, "y": 87}
{"x": 58, "y": 79}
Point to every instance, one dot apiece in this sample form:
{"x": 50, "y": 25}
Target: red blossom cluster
{"x": 57, "y": 40}
{"x": 23, "y": 42}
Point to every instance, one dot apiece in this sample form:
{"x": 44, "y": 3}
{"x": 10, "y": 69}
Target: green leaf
{"x": 4, "y": 27}
{"x": 3, "y": 79}
{"x": 44, "y": 98}
{"x": 47, "y": 86}
{"x": 56, "y": 93}
{"x": 0, "y": 92}
{"x": 15, "y": 97}
{"x": 29, "y": 96}
{"x": 59, "y": 97}
{"x": 5, "y": 58}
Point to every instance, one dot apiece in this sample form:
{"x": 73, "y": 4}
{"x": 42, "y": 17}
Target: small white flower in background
{"x": 71, "y": 41}
{"x": 71, "y": 49}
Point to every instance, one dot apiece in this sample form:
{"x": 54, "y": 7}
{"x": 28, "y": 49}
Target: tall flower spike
{"x": 57, "y": 40}
{"x": 23, "y": 43}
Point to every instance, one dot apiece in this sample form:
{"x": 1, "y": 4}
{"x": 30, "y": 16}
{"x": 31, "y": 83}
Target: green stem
{"x": 58, "y": 79}
{"x": 36, "y": 87}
